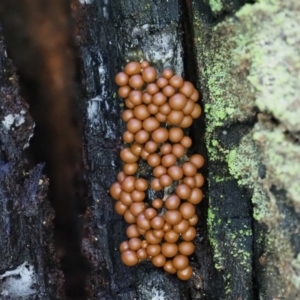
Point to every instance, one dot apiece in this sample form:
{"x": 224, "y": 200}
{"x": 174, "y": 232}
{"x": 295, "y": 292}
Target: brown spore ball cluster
{"x": 158, "y": 109}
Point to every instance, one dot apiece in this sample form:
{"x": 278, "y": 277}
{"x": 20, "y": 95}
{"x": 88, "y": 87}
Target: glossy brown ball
{"x": 132, "y": 68}
{"x": 137, "y": 196}
{"x": 165, "y": 180}
{"x": 171, "y": 236}
{"x": 125, "y": 198}
{"x": 159, "y": 99}
{"x": 151, "y": 146}
{"x": 160, "y": 135}
{"x": 136, "y": 149}
{"x": 178, "y": 150}
{"x": 176, "y": 81}
{"x": 135, "y": 97}
{"x": 136, "y": 81}
{"x": 173, "y": 217}
{"x": 132, "y": 232}
{"x": 127, "y": 115}
{"x": 124, "y": 91}
{"x": 141, "y": 112}
{"x": 187, "y": 110}
{"x": 193, "y": 220}
{"x": 175, "y": 134}
{"x": 172, "y": 202}
{"x": 199, "y": 180}
{"x": 196, "y": 196}
{"x": 158, "y": 233}
{"x": 149, "y": 74}
{"x": 187, "y": 89}
{"x": 189, "y": 235}
{"x": 134, "y": 125}
{"x": 128, "y": 103}
{"x": 187, "y": 210}
{"x": 186, "y": 142}
{"x": 183, "y": 191}
{"x": 186, "y": 248}
{"x": 186, "y": 122}
{"x": 180, "y": 262}
{"x": 196, "y": 111}
{"x": 167, "y": 73}
{"x": 182, "y": 226}
{"x": 190, "y": 181}
{"x": 150, "y": 124}
{"x": 129, "y": 258}
{"x": 120, "y": 208}
{"x": 169, "y": 250}
{"x": 129, "y": 217}
{"x": 144, "y": 154}
{"x": 121, "y": 79}
{"x": 130, "y": 169}
{"x": 115, "y": 190}
{"x": 121, "y": 176}
{"x": 168, "y": 91}
{"x": 175, "y": 117}
{"x": 134, "y": 243}
{"x": 128, "y": 184}
{"x": 151, "y": 239}
{"x": 189, "y": 169}
{"x": 161, "y": 117}
{"x": 153, "y": 109}
{"x": 127, "y": 156}
{"x": 124, "y": 246}
{"x": 141, "y": 254}
{"x": 178, "y": 101}
{"x": 142, "y": 222}
{"x": 167, "y": 227}
{"x": 152, "y": 88}
{"x": 128, "y": 137}
{"x": 142, "y": 136}
{"x": 159, "y": 260}
{"x": 166, "y": 149}
{"x": 147, "y": 98}
{"x": 153, "y": 160}
{"x": 165, "y": 109}
{"x": 161, "y": 82}
{"x": 159, "y": 171}
{"x": 144, "y": 64}
{"x": 195, "y": 96}
{"x": 157, "y": 222}
{"x": 197, "y": 160}
{"x": 168, "y": 160}
{"x": 157, "y": 203}
{"x": 150, "y": 213}
{"x": 141, "y": 184}
{"x": 136, "y": 208}
{"x": 153, "y": 250}
{"x": 168, "y": 267}
{"x": 155, "y": 184}
{"x": 185, "y": 274}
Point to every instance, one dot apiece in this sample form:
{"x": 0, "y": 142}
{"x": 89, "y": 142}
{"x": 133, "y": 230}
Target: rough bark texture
{"x": 245, "y": 60}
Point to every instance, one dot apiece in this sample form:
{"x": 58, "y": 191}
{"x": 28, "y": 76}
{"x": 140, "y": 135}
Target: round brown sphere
{"x": 147, "y": 98}
{"x": 154, "y": 160}
{"x": 159, "y": 99}
{"x": 141, "y": 112}
{"x": 136, "y": 81}
{"x": 190, "y": 181}
{"x": 171, "y": 236}
{"x": 159, "y": 171}
{"x": 150, "y": 213}
{"x": 199, "y": 180}
{"x": 186, "y": 122}
{"x": 187, "y": 89}
{"x": 169, "y": 268}
{"x": 168, "y": 160}
{"x": 195, "y": 95}
{"x": 185, "y": 274}
{"x": 161, "y": 117}
{"x": 189, "y": 169}
{"x": 151, "y": 146}
{"x": 159, "y": 260}
{"x": 169, "y": 250}
{"x": 167, "y": 227}
{"x": 176, "y": 81}
{"x": 128, "y": 137}
{"x": 160, "y": 135}
{"x": 187, "y": 210}
{"x": 189, "y": 235}
{"x": 142, "y": 222}
{"x": 182, "y": 226}
{"x": 128, "y": 184}
{"x": 129, "y": 104}
{"x": 121, "y": 79}
{"x": 144, "y": 64}
{"x": 136, "y": 208}
{"x": 196, "y": 196}
{"x": 152, "y": 88}
{"x": 120, "y": 208}
{"x": 175, "y": 134}
{"x": 167, "y": 73}
{"x": 127, "y": 156}
{"x": 151, "y": 239}
{"x": 144, "y": 154}
{"x": 150, "y": 124}
{"x": 142, "y": 136}
{"x": 173, "y": 217}
{"x": 197, "y": 160}
{"x": 166, "y": 149}
{"x": 149, "y": 74}
{"x": 115, "y": 190}
{"x": 136, "y": 149}
{"x": 178, "y": 150}
{"x": 175, "y": 117}
{"x": 125, "y": 198}
{"x": 135, "y": 97}
{"x": 124, "y": 91}
{"x": 178, "y": 101}
{"x": 129, "y": 258}
{"x": 157, "y": 222}
{"x": 153, "y": 250}
{"x": 121, "y": 176}
{"x": 137, "y": 196}
{"x": 127, "y": 115}
{"x": 141, "y": 184}
{"x": 142, "y": 232}
{"x": 144, "y": 244}
{"x": 165, "y": 180}
{"x": 129, "y": 217}
{"x": 187, "y": 110}
{"x": 130, "y": 169}
{"x": 132, "y": 68}
{"x": 172, "y": 202}
{"x": 193, "y": 220}
{"x": 153, "y": 109}
{"x": 135, "y": 243}
{"x": 180, "y": 262}
{"x": 183, "y": 191}
{"x": 124, "y": 246}
{"x": 157, "y": 203}
{"x": 165, "y": 109}
{"x": 196, "y": 111}
{"x": 155, "y": 184}
{"x": 186, "y": 142}
{"x": 168, "y": 91}
{"x": 161, "y": 82}
{"x": 186, "y": 248}
{"x": 134, "y": 125}
{"x": 141, "y": 254}
{"x": 132, "y": 232}
{"x": 158, "y": 233}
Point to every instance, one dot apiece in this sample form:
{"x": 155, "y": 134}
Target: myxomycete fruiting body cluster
{"x": 158, "y": 110}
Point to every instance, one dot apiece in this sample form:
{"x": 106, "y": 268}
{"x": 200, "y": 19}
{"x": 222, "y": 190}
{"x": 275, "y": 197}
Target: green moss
{"x": 216, "y": 5}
